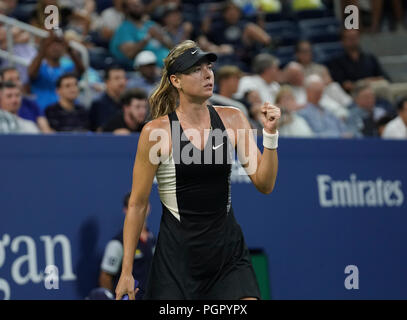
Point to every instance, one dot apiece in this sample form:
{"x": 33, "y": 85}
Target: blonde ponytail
{"x": 164, "y": 99}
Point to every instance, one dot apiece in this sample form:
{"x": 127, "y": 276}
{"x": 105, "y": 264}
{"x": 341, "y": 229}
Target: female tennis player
{"x": 200, "y": 252}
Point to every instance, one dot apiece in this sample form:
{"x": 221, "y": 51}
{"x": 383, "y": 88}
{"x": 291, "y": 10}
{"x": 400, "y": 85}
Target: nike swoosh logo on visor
{"x": 193, "y": 52}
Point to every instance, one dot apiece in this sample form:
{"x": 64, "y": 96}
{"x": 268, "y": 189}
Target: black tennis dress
{"x": 200, "y": 252}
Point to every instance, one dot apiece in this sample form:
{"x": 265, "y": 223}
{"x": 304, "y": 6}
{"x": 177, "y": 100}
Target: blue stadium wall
{"x": 334, "y": 227}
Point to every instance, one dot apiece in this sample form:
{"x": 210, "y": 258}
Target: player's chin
{"x": 207, "y": 93}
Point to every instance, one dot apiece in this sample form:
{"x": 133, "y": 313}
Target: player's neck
{"x": 193, "y": 111}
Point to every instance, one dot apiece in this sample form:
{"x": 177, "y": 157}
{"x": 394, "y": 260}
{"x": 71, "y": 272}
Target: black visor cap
{"x": 190, "y": 58}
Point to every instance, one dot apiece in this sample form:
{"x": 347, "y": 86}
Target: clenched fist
{"x": 270, "y": 115}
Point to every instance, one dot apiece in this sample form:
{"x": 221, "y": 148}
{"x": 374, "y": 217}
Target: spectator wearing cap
{"x": 10, "y": 103}
{"x": 108, "y": 104}
{"x": 364, "y": 112}
{"x": 66, "y": 115}
{"x": 323, "y": 123}
{"x": 29, "y": 109}
{"x": 265, "y": 79}
{"x": 397, "y": 128}
{"x": 227, "y": 82}
{"x": 137, "y": 33}
{"x": 132, "y": 117}
{"x": 47, "y": 67}
{"x": 147, "y": 73}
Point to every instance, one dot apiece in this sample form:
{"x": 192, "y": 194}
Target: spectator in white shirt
{"x": 397, "y": 128}
{"x": 10, "y": 102}
{"x": 265, "y": 79}
{"x": 323, "y": 123}
{"x": 334, "y": 98}
{"x": 382, "y": 123}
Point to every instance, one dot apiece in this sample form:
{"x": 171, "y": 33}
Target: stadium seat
{"x": 24, "y": 11}
{"x": 231, "y": 60}
{"x": 207, "y": 1}
{"x": 323, "y": 52}
{"x": 23, "y": 2}
{"x": 205, "y": 7}
{"x": 320, "y": 30}
{"x": 250, "y": 18}
{"x": 100, "y": 58}
{"x": 283, "y": 33}
{"x": 273, "y": 17}
{"x": 311, "y": 14}
{"x": 190, "y": 14}
{"x": 285, "y": 54}
{"x": 216, "y": 17}
{"x": 103, "y": 4}
{"x": 188, "y": 8}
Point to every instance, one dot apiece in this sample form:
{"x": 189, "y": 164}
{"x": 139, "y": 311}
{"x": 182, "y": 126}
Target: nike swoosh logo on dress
{"x": 214, "y": 148}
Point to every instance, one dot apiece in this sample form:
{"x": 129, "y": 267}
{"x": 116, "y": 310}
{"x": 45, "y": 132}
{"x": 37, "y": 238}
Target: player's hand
{"x": 270, "y": 115}
{"x": 126, "y": 286}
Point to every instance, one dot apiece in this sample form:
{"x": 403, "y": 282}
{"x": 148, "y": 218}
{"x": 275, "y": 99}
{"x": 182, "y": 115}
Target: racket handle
{"x": 126, "y": 296}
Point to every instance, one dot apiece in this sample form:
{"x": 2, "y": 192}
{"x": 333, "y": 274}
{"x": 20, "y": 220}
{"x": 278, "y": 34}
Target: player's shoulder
{"x": 228, "y": 110}
{"x": 230, "y": 115}
{"x": 160, "y": 123}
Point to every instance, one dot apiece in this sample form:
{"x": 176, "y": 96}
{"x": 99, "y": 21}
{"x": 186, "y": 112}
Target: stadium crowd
{"x": 294, "y": 53}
